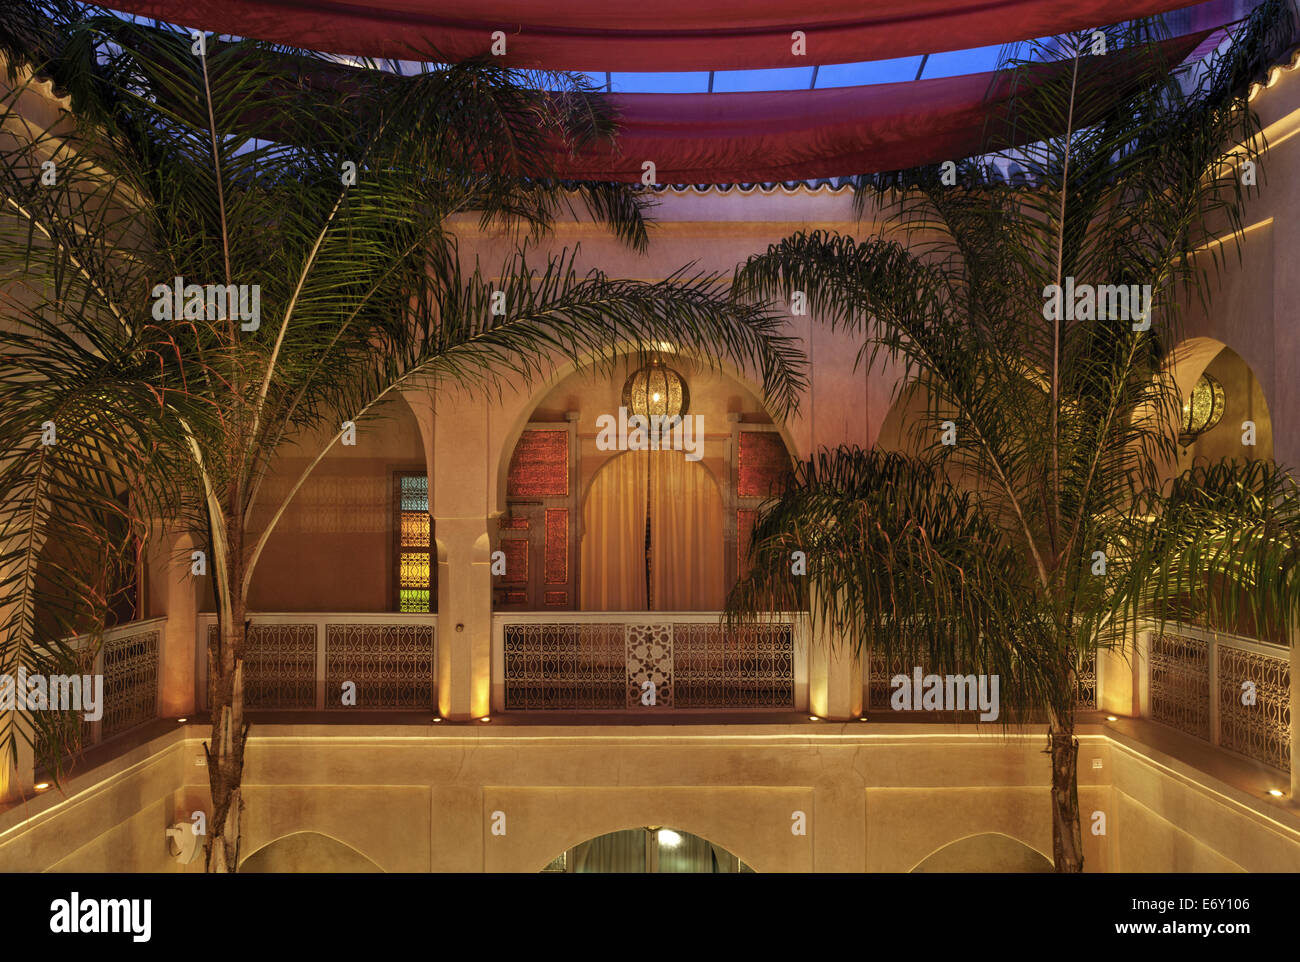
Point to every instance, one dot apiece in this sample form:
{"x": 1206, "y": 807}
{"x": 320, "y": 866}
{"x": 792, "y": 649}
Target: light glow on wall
{"x": 668, "y": 838}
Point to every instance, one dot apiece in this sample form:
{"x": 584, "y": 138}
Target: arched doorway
{"x": 651, "y": 849}
{"x": 562, "y": 456}
{"x": 307, "y": 852}
{"x": 988, "y": 852}
{"x": 652, "y": 536}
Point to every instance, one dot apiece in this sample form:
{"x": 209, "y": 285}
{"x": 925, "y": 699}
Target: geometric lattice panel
{"x": 585, "y": 667}
{"x": 391, "y": 665}
{"x": 279, "y": 666}
{"x": 1180, "y": 683}
{"x": 1261, "y": 731}
{"x": 130, "y": 682}
{"x": 650, "y": 659}
{"x": 748, "y": 667}
{"x": 565, "y": 667}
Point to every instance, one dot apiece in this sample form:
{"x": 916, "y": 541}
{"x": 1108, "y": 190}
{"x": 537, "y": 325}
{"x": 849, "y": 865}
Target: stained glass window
{"x": 413, "y": 562}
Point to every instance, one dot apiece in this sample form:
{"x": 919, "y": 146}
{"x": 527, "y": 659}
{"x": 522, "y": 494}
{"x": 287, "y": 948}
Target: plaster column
{"x": 834, "y": 673}
{"x": 460, "y": 494}
{"x": 1141, "y": 677}
{"x": 835, "y": 678}
{"x": 173, "y": 594}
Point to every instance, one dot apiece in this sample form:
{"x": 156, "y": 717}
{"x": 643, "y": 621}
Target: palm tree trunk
{"x": 1067, "y": 836}
{"x": 225, "y": 747}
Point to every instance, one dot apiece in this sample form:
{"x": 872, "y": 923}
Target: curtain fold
{"x": 670, "y": 35}
{"x": 613, "y": 537}
{"x": 616, "y": 852}
{"x": 686, "y": 535}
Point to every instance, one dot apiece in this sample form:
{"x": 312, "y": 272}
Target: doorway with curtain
{"x": 652, "y": 850}
{"x": 652, "y": 536}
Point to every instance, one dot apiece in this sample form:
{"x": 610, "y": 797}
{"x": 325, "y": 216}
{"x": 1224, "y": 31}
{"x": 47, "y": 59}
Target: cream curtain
{"x": 688, "y": 573}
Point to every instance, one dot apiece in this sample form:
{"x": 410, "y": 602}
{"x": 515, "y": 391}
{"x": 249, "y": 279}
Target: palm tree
{"x": 1049, "y": 526}
{"x": 324, "y": 193}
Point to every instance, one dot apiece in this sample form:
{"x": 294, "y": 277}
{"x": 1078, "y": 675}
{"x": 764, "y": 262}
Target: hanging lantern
{"x": 656, "y": 390}
{"x": 1202, "y": 409}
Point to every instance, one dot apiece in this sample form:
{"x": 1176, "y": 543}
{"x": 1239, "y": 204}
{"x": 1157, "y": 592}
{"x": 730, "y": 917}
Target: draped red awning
{"x": 602, "y": 35}
{"x": 809, "y": 134}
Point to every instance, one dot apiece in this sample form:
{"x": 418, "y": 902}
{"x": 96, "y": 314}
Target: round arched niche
{"x": 987, "y": 852}
{"x": 573, "y": 434}
{"x": 342, "y": 517}
{"x": 1245, "y": 410}
{"x": 647, "y": 849}
{"x": 717, "y": 393}
{"x": 307, "y": 852}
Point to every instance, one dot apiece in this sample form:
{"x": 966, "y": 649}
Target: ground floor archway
{"x": 648, "y": 849}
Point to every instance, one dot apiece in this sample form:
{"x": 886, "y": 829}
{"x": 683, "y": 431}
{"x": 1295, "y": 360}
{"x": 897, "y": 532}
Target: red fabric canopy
{"x": 602, "y": 35}
{"x": 808, "y": 134}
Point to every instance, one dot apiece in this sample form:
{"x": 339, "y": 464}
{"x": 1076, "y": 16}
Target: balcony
{"x": 297, "y": 661}
{"x": 647, "y": 661}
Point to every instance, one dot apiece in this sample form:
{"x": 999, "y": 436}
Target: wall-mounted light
{"x": 1276, "y": 792}
{"x": 183, "y": 842}
{"x": 1202, "y": 409}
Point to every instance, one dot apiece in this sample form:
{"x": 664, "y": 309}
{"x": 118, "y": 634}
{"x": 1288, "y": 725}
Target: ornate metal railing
{"x": 879, "y": 670}
{"x": 1230, "y": 691}
{"x": 129, "y": 657}
{"x": 641, "y": 661}
{"x": 321, "y": 661}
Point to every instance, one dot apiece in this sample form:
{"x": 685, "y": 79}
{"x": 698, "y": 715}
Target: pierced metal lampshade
{"x": 656, "y": 389}
{"x": 1202, "y": 409}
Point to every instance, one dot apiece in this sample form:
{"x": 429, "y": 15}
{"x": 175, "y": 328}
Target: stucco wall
{"x": 421, "y": 798}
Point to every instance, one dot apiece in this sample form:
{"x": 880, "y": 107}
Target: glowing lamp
{"x": 656, "y": 390}
{"x": 1202, "y": 410}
